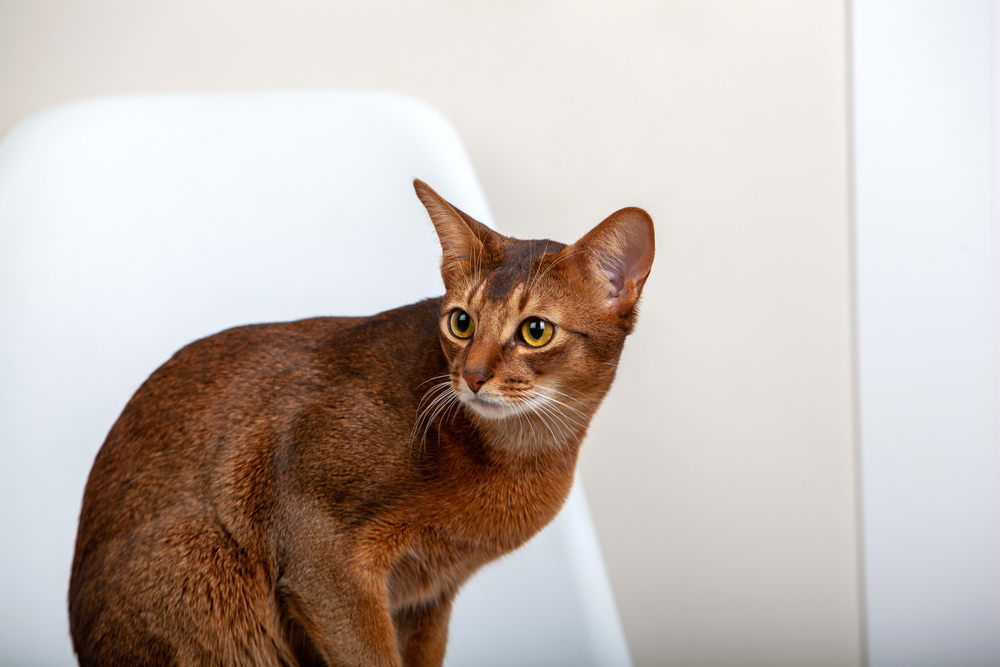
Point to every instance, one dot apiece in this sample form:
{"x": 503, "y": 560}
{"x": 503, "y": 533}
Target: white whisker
{"x": 436, "y": 377}
{"x": 534, "y": 280}
{"x": 586, "y": 416}
{"x": 437, "y": 404}
{"x": 549, "y": 267}
{"x": 554, "y": 414}
{"x": 549, "y": 399}
{"x": 441, "y": 394}
{"x": 542, "y": 412}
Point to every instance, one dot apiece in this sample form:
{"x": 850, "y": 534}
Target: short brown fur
{"x": 316, "y": 492}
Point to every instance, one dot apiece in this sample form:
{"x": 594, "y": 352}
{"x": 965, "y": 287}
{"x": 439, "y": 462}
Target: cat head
{"x": 535, "y": 328}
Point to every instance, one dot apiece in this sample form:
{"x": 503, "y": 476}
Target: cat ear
{"x": 463, "y": 239}
{"x": 619, "y": 254}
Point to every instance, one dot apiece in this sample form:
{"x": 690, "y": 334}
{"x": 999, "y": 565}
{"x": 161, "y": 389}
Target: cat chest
{"x": 431, "y": 568}
{"x": 456, "y": 535}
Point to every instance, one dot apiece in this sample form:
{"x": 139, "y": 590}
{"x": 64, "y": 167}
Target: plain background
{"x": 927, "y": 134}
{"x": 722, "y": 473}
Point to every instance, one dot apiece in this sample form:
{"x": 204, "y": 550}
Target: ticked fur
{"x": 316, "y": 492}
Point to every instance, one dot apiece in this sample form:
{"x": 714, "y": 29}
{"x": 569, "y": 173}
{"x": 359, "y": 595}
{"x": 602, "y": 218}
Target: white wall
{"x": 928, "y": 275}
{"x": 721, "y": 476}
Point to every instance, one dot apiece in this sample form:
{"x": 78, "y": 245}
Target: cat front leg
{"x": 345, "y": 618}
{"x": 422, "y": 632}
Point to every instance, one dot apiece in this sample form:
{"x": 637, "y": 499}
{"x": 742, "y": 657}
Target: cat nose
{"x": 476, "y": 378}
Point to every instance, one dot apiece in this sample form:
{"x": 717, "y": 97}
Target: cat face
{"x": 535, "y": 328}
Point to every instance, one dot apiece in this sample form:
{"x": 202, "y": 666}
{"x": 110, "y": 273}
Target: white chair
{"x": 132, "y": 226}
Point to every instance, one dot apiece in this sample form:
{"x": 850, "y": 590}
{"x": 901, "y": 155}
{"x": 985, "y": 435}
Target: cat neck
{"x": 549, "y": 435}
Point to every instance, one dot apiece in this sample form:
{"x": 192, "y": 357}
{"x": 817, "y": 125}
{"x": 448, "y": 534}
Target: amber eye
{"x": 537, "y": 332}
{"x": 461, "y": 324}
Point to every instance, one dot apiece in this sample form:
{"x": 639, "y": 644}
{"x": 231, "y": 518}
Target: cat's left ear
{"x": 619, "y": 254}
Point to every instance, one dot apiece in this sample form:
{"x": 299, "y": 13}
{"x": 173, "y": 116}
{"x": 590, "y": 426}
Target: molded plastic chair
{"x": 130, "y": 227}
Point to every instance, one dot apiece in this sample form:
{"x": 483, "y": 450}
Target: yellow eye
{"x": 537, "y": 332}
{"x": 461, "y": 324}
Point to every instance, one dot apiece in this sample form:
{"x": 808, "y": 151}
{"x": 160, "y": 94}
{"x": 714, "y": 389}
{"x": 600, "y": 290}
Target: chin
{"x": 488, "y": 408}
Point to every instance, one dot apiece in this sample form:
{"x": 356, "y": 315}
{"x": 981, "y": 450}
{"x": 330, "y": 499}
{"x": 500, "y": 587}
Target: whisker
{"x": 561, "y": 445}
{"x": 561, "y": 404}
{"x": 585, "y": 403}
{"x": 426, "y": 413}
{"x": 549, "y": 267}
{"x": 541, "y": 393}
{"x": 437, "y": 404}
{"x": 431, "y": 397}
{"x": 557, "y": 416}
{"x": 520, "y": 422}
{"x": 542, "y": 412}
{"x": 438, "y": 386}
{"x": 427, "y": 426}
{"x": 436, "y": 377}
{"x": 535, "y": 401}
{"x": 527, "y": 418}
{"x": 531, "y": 283}
{"x": 585, "y": 416}
{"x": 453, "y": 408}
{"x": 568, "y": 407}
{"x": 442, "y": 411}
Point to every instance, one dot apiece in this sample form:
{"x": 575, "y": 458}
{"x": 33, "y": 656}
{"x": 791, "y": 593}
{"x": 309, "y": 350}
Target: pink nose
{"x": 476, "y": 378}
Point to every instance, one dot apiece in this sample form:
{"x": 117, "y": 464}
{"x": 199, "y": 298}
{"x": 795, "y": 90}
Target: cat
{"x": 316, "y": 492}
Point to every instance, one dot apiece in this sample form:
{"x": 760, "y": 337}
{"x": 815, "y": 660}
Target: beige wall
{"x": 722, "y": 476}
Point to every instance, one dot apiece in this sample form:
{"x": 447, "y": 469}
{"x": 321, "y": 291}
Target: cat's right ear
{"x": 463, "y": 239}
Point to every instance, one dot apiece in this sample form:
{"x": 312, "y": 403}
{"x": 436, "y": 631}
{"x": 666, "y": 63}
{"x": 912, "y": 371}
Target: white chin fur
{"x": 484, "y": 406}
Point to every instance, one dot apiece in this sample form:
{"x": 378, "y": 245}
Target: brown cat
{"x": 316, "y": 492}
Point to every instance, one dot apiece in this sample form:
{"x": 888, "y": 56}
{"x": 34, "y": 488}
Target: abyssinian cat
{"x": 316, "y": 492}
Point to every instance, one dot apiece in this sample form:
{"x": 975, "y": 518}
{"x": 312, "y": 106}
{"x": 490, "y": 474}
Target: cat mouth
{"x": 488, "y": 407}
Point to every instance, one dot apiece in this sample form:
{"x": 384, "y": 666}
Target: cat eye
{"x": 536, "y": 331}
{"x": 461, "y": 324}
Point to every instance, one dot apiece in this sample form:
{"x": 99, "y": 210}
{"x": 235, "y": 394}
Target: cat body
{"x": 316, "y": 492}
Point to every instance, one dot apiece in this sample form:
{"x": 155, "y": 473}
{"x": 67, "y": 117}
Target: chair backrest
{"x": 132, "y": 226}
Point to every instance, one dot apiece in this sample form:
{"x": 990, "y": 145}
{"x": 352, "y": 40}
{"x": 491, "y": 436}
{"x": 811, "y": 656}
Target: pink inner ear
{"x": 622, "y": 253}
{"x": 627, "y": 261}
{"x": 615, "y": 272}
